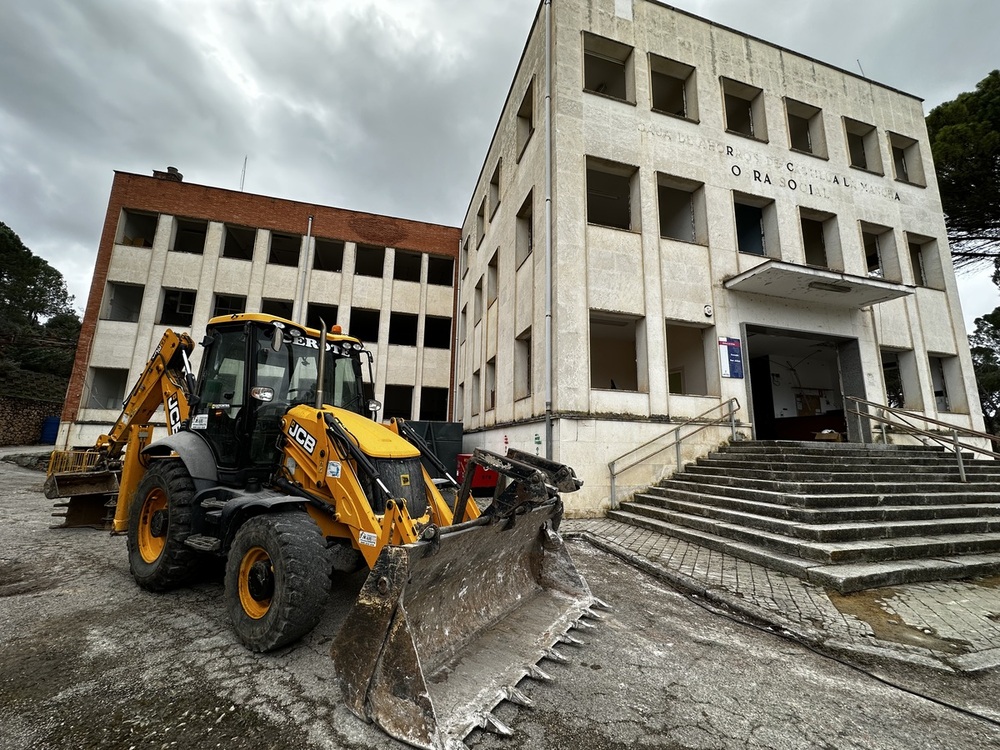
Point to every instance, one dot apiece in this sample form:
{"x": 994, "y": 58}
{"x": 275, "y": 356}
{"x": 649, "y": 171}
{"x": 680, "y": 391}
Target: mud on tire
{"x": 277, "y": 579}
{"x": 159, "y": 522}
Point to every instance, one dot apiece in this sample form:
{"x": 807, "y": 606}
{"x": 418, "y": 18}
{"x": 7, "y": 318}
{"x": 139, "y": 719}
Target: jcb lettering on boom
{"x": 458, "y": 605}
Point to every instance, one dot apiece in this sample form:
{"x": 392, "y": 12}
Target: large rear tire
{"x": 159, "y": 522}
{"x": 277, "y": 579}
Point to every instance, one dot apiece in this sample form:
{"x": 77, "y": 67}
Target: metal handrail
{"x": 905, "y": 426}
{"x": 733, "y": 405}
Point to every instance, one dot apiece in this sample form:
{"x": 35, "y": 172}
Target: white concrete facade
{"x": 705, "y": 185}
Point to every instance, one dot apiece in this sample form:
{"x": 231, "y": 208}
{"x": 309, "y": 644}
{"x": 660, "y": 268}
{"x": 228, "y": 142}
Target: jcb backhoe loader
{"x": 274, "y": 462}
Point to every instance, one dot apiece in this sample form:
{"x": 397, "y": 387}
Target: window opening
{"x": 893, "y": 379}
{"x": 284, "y": 249}
{"x": 107, "y": 387}
{"x": 437, "y": 332}
{"x": 491, "y": 384}
{"x": 402, "y": 329}
{"x": 607, "y": 68}
{"x": 329, "y": 255}
{"x": 525, "y": 231}
{"x": 398, "y": 402}
{"x": 526, "y": 118}
{"x": 613, "y": 352}
{"x": 495, "y": 189}
{"x": 492, "y": 279}
{"x": 190, "y": 237}
{"x": 122, "y": 302}
{"x": 522, "y": 365}
{"x": 281, "y": 308}
{"x": 228, "y": 304}
{"x": 440, "y": 271}
{"x": 744, "y": 107}
{"x": 481, "y": 223}
{"x": 862, "y": 146}
{"x": 365, "y": 324}
{"x": 682, "y": 209}
{"x": 750, "y": 236}
{"x": 406, "y": 266}
{"x": 316, "y": 314}
{"x": 137, "y": 229}
{"x": 178, "y": 307}
{"x": 370, "y": 261}
{"x": 805, "y": 128}
{"x": 239, "y": 243}
{"x": 906, "y": 161}
{"x": 686, "y": 366}
{"x": 433, "y": 404}
{"x": 672, "y": 87}
{"x": 609, "y": 194}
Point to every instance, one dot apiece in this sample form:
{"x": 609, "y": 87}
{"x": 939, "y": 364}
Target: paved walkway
{"x": 947, "y": 624}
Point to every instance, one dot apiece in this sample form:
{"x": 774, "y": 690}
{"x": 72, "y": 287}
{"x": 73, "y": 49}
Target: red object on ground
{"x": 483, "y": 478}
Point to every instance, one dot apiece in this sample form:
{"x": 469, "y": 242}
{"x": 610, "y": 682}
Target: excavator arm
{"x": 87, "y": 481}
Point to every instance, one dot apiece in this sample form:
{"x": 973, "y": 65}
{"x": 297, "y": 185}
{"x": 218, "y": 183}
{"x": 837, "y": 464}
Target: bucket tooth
{"x": 582, "y": 625}
{"x": 552, "y": 655}
{"x": 490, "y": 723}
{"x": 537, "y": 673}
{"x": 569, "y": 640}
{"x": 516, "y": 697}
{"x": 589, "y": 614}
{"x": 600, "y": 604}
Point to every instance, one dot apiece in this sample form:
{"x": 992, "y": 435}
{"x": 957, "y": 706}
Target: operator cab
{"x": 255, "y": 368}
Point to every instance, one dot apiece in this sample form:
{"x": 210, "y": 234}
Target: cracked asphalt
{"x": 88, "y": 660}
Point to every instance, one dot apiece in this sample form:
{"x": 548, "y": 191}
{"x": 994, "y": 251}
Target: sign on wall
{"x": 731, "y": 357}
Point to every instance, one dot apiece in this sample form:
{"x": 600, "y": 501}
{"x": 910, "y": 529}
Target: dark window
{"x": 681, "y": 207}
{"x": 606, "y": 67}
{"x": 749, "y": 229}
{"x": 525, "y": 240}
{"x": 229, "y": 304}
{"x": 906, "y": 162}
{"x": 107, "y": 387}
{"x": 433, "y": 404}
{"x": 526, "y": 118}
{"x": 481, "y": 222}
{"x": 805, "y": 128}
{"x": 178, "y": 307}
{"x": 122, "y": 302}
{"x": 406, "y": 266}
{"x": 492, "y": 279}
{"x": 190, "y": 236}
{"x": 813, "y": 242}
{"x": 315, "y": 312}
{"x": 284, "y": 249}
{"x": 437, "y": 332}
{"x": 403, "y": 329}
{"x": 495, "y": 189}
{"x": 440, "y": 271}
{"x": 281, "y": 308}
{"x": 744, "y": 105}
{"x": 329, "y": 255}
{"x": 862, "y": 145}
{"x": 370, "y": 261}
{"x": 137, "y": 229}
{"x": 398, "y": 401}
{"x": 239, "y": 243}
{"x": 609, "y": 194}
{"x": 364, "y": 324}
{"x": 873, "y": 259}
{"x": 672, "y": 87}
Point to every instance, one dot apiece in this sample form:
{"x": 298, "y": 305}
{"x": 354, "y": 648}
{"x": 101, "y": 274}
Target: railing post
{"x": 881, "y": 425}
{"x": 677, "y": 449}
{"x": 613, "y": 499}
{"x": 732, "y": 421}
{"x": 958, "y": 455}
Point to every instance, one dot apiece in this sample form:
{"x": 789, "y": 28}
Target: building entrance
{"x": 798, "y": 381}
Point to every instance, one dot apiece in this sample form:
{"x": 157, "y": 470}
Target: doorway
{"x": 798, "y": 381}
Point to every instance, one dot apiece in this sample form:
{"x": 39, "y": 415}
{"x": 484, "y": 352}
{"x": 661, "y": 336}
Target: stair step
{"x": 203, "y": 543}
{"x": 838, "y": 475}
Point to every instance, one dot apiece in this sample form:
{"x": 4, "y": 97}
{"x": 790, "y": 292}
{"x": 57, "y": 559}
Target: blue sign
{"x": 731, "y": 357}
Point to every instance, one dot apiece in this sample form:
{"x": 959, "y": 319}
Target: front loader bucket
{"x": 442, "y": 631}
{"x": 88, "y": 498}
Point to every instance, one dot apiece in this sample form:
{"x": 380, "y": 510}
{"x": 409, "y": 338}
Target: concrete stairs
{"x": 841, "y": 515}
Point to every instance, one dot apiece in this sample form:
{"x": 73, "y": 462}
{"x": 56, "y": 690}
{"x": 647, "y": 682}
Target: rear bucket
{"x": 443, "y": 631}
{"x": 88, "y": 498}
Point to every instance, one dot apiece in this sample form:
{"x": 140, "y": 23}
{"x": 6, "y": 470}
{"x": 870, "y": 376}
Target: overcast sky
{"x": 384, "y": 106}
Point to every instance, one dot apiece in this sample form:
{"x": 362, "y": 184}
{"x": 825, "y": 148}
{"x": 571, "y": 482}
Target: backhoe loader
{"x": 274, "y": 462}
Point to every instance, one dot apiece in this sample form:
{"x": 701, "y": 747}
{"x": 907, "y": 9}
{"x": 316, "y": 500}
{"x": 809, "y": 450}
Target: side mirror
{"x": 277, "y": 336}
{"x": 374, "y": 407}
{"x": 262, "y": 393}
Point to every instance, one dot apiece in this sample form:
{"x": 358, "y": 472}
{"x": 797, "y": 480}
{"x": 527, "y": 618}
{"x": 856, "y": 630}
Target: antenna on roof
{"x": 243, "y": 174}
{"x": 863, "y": 74}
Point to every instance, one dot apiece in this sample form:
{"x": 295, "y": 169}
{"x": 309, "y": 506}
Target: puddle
{"x": 874, "y": 608}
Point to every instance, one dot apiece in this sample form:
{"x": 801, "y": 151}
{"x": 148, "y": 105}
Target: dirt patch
{"x": 17, "y": 579}
{"x": 872, "y": 607}
{"x": 33, "y": 461}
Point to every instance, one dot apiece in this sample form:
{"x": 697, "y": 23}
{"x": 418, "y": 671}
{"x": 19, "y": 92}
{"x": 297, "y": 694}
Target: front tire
{"x": 277, "y": 579}
{"x": 159, "y": 522}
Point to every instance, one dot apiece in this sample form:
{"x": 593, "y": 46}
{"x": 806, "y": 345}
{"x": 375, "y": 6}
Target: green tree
{"x": 30, "y": 289}
{"x": 985, "y": 345}
{"x": 965, "y": 141}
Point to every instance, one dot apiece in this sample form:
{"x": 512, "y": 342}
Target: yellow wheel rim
{"x": 255, "y": 607}
{"x": 150, "y": 546}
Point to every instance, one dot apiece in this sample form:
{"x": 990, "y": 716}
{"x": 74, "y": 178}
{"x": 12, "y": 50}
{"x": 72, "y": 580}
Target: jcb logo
{"x": 173, "y": 414}
{"x": 301, "y": 435}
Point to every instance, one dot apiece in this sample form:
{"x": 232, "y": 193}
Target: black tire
{"x": 159, "y": 522}
{"x": 277, "y": 579}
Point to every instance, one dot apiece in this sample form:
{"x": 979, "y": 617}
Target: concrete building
{"x": 672, "y": 214}
{"x": 174, "y": 254}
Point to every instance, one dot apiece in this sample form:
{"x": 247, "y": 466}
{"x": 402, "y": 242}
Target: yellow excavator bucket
{"x": 443, "y": 630}
{"x": 86, "y": 491}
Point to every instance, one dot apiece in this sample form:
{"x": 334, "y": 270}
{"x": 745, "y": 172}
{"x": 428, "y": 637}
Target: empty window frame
{"x": 526, "y": 119}
{"x": 524, "y": 240}
{"x": 370, "y": 261}
{"x": 281, "y": 308}
{"x": 402, "y": 329}
{"x": 925, "y": 261}
{"x": 491, "y": 384}
{"x": 906, "y": 162}
{"x": 238, "y": 243}
{"x": 462, "y": 318}
{"x": 437, "y": 332}
{"x": 862, "y": 146}
{"x": 107, "y": 387}
{"x": 495, "y": 189}
{"x": 136, "y": 229}
{"x": 329, "y": 255}
{"x": 672, "y": 88}
{"x": 284, "y": 249}
{"x": 892, "y": 376}
{"x": 616, "y": 343}
{"x": 228, "y": 304}
{"x": 190, "y": 236}
{"x": 612, "y": 190}
{"x": 820, "y": 239}
{"x": 681, "y": 205}
{"x": 946, "y": 383}
{"x": 756, "y": 225}
{"x": 744, "y": 108}
{"x": 686, "y": 362}
{"x": 465, "y": 257}
{"x": 522, "y": 365}
{"x": 477, "y": 384}
{"x": 481, "y": 222}
{"x": 433, "y": 404}
{"x": 122, "y": 302}
{"x": 397, "y": 402}
{"x": 440, "y": 271}
{"x": 607, "y": 68}
{"x": 406, "y": 266}
{"x": 805, "y": 128}
{"x": 178, "y": 307}
{"x": 479, "y": 300}
{"x": 317, "y": 314}
{"x": 879, "y": 246}
{"x": 364, "y": 324}
{"x": 493, "y": 279}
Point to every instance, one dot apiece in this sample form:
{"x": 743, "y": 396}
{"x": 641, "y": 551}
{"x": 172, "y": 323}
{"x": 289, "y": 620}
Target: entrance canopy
{"x": 776, "y": 278}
